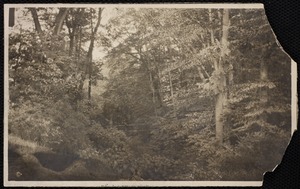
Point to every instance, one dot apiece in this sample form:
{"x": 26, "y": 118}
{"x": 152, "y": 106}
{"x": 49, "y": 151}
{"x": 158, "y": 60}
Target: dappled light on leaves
{"x": 177, "y": 94}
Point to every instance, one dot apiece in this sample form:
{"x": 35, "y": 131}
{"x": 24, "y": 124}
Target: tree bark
{"x": 59, "y": 20}
{"x": 211, "y": 31}
{"x": 73, "y": 24}
{"x": 212, "y": 36}
{"x": 36, "y": 20}
{"x": 72, "y": 41}
{"x": 172, "y": 92}
{"x": 11, "y": 17}
{"x": 157, "y": 87}
{"x": 90, "y": 52}
{"x": 87, "y": 66}
{"x": 221, "y": 100}
{"x": 171, "y": 86}
{"x": 218, "y": 117}
{"x": 90, "y": 79}
{"x": 153, "y": 91}
{"x": 78, "y": 51}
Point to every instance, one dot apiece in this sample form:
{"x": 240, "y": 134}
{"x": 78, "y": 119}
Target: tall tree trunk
{"x": 73, "y": 21}
{"x": 80, "y": 69}
{"x": 90, "y": 70}
{"x": 78, "y": 51}
{"x": 87, "y": 66}
{"x": 157, "y": 87}
{"x": 90, "y": 52}
{"x": 71, "y": 46}
{"x": 212, "y": 36}
{"x": 153, "y": 92}
{"x": 222, "y": 95}
{"x": 36, "y": 20}
{"x": 73, "y": 33}
{"x": 172, "y": 92}
{"x": 211, "y": 31}
{"x": 76, "y": 36}
{"x": 59, "y": 20}
{"x": 11, "y": 17}
{"x": 158, "y": 73}
{"x": 171, "y": 86}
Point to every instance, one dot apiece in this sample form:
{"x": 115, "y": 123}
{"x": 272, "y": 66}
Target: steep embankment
{"x": 28, "y": 161}
{"x": 23, "y": 165}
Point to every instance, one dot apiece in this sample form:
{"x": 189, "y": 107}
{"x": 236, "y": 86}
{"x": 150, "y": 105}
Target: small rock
{"x": 18, "y": 174}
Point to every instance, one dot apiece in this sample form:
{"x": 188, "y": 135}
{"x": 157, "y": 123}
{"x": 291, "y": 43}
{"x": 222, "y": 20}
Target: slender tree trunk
{"x": 203, "y": 68}
{"x": 153, "y": 91}
{"x": 212, "y": 37}
{"x": 90, "y": 81}
{"x": 172, "y": 92}
{"x": 71, "y": 46}
{"x": 225, "y": 30}
{"x": 83, "y": 72}
{"x": 70, "y": 27}
{"x": 77, "y": 49}
{"x": 73, "y": 40}
{"x": 157, "y": 87}
{"x": 59, "y": 20}
{"x": 79, "y": 45}
{"x": 171, "y": 86}
{"x": 36, "y": 20}
{"x": 158, "y": 73}
{"x": 211, "y": 31}
{"x": 90, "y": 52}
{"x": 218, "y": 117}
{"x": 221, "y": 100}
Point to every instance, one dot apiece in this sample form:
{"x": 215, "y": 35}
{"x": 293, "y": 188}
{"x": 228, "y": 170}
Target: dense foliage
{"x": 191, "y": 94}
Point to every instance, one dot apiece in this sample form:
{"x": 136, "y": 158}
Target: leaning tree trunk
{"x": 87, "y": 66}
{"x": 36, "y": 21}
{"x": 59, "y": 20}
{"x": 221, "y": 99}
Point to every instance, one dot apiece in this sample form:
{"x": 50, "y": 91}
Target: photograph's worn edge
{"x": 294, "y": 100}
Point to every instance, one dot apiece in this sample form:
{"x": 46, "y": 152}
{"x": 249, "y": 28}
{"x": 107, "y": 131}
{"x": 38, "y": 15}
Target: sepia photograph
{"x": 138, "y": 95}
